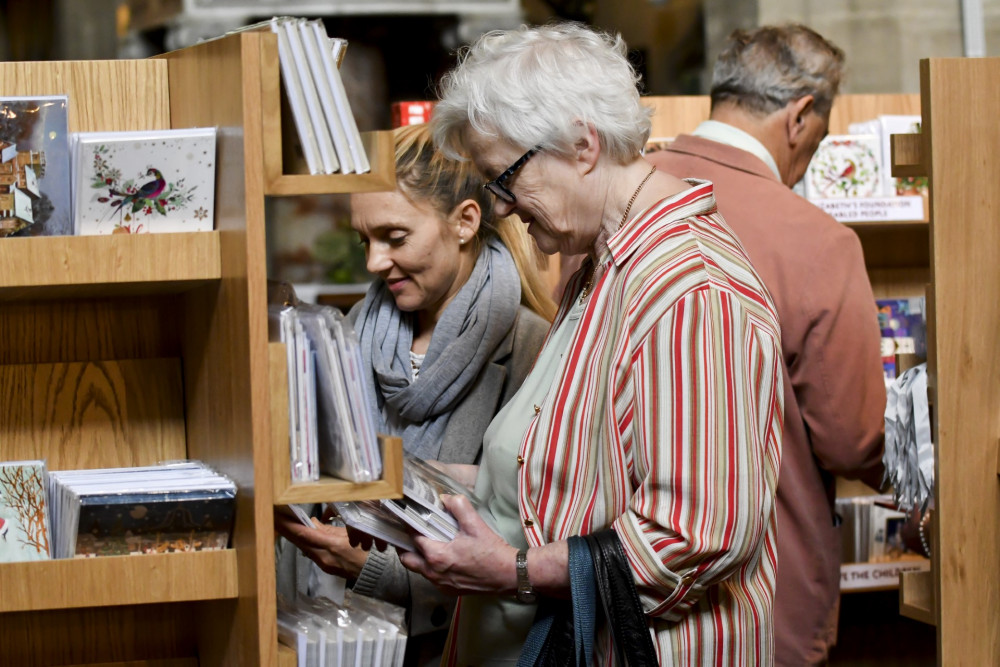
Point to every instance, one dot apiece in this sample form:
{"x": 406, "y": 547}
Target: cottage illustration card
{"x": 34, "y": 167}
{"x": 144, "y": 182}
{"x": 845, "y": 166}
{"x": 24, "y": 514}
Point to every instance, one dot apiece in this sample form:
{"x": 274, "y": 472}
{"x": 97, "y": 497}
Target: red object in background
{"x": 411, "y": 113}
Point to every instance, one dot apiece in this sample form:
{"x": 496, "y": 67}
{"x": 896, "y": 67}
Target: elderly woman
{"x": 651, "y": 421}
{"x": 448, "y": 332}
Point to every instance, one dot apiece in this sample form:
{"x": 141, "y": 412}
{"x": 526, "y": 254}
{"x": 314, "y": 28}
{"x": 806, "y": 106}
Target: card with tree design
{"x": 144, "y": 182}
{"x": 24, "y": 513}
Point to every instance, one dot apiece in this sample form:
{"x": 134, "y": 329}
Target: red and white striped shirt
{"x": 665, "y": 424}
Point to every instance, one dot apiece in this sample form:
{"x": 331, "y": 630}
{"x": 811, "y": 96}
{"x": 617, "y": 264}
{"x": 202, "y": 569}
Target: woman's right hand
{"x": 327, "y": 546}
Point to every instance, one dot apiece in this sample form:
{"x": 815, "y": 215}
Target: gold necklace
{"x": 628, "y": 207}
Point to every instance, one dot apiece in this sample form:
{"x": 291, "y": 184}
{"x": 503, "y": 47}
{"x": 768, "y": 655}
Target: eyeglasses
{"x": 497, "y": 187}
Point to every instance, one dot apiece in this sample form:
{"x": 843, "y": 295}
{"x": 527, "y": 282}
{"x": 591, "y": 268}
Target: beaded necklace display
{"x": 585, "y": 292}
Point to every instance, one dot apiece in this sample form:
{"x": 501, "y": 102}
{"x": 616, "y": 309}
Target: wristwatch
{"x": 525, "y": 593}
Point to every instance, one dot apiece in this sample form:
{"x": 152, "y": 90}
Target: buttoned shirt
{"x": 664, "y": 423}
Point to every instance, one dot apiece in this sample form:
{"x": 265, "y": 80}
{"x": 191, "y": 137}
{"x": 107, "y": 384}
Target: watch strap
{"x": 525, "y": 593}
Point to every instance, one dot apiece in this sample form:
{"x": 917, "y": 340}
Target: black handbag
{"x": 619, "y": 603}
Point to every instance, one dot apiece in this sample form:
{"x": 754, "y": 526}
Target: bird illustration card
{"x": 34, "y": 167}
{"x": 845, "y": 166}
{"x": 144, "y": 182}
{"x": 24, "y": 513}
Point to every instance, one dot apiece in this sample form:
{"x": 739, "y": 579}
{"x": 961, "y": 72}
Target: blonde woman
{"x": 448, "y": 332}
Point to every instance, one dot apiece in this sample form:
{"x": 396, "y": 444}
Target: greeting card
{"x": 845, "y": 166}
{"x": 24, "y": 513}
{"x": 34, "y": 167}
{"x": 144, "y": 182}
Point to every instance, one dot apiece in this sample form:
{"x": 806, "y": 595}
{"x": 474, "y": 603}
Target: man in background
{"x": 772, "y": 91}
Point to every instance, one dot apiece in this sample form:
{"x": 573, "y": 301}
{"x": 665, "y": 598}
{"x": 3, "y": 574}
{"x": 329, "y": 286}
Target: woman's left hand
{"x": 476, "y": 561}
{"x": 327, "y": 546}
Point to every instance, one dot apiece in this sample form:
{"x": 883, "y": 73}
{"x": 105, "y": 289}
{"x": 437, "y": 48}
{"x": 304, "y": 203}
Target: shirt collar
{"x": 699, "y": 199}
{"x": 724, "y": 133}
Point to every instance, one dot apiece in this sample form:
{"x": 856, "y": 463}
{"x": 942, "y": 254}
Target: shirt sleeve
{"x": 701, "y": 415}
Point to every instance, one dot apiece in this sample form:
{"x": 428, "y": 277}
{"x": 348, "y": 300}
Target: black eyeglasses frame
{"x": 496, "y": 186}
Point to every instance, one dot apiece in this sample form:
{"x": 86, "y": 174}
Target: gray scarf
{"x": 472, "y": 325}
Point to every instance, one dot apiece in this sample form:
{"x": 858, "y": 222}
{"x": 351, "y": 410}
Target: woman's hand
{"x": 327, "y": 546}
{"x": 476, "y": 561}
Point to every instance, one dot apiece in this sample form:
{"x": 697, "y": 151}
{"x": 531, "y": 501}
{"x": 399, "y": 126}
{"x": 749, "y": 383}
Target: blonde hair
{"x": 427, "y": 175}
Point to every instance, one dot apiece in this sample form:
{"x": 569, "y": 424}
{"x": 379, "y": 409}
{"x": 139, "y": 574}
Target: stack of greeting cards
{"x": 184, "y": 506}
{"x": 145, "y": 181}
{"x": 326, "y": 127}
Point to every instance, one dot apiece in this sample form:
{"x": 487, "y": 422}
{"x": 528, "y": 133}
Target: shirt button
{"x": 528, "y": 523}
{"x": 520, "y": 460}
{"x": 537, "y": 409}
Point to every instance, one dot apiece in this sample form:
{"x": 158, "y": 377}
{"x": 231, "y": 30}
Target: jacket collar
{"x": 724, "y": 154}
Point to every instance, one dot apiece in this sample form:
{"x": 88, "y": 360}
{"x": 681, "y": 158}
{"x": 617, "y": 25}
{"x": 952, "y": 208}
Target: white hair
{"x": 530, "y": 86}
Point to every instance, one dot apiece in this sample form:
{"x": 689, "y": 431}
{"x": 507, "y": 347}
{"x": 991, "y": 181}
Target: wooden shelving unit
{"x": 958, "y": 152}
{"x": 164, "y": 339}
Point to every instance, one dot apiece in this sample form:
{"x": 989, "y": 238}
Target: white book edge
{"x": 361, "y": 164}
{"x": 327, "y": 154}
{"x": 321, "y": 62}
{"x": 296, "y": 100}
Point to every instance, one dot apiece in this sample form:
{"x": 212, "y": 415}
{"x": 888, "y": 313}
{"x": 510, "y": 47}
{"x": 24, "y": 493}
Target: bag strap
{"x": 624, "y": 612}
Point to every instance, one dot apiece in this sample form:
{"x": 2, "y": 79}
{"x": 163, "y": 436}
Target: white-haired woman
{"x": 651, "y": 421}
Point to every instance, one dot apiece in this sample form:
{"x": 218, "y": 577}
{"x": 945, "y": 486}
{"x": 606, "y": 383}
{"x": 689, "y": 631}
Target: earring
{"x": 461, "y": 240}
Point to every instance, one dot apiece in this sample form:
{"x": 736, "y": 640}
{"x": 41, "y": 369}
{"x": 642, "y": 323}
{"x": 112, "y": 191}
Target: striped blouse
{"x": 665, "y": 424}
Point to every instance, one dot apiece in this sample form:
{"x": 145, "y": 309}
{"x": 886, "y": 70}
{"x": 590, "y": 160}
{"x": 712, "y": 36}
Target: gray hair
{"x": 763, "y": 69}
{"x": 531, "y": 85}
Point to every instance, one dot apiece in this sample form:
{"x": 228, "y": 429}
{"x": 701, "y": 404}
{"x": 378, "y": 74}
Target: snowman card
{"x": 144, "y": 182}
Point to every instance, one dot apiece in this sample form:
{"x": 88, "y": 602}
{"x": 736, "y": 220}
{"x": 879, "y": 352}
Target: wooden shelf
{"x": 327, "y": 489}
{"x": 118, "y": 264}
{"x": 166, "y": 662}
{"x": 118, "y": 580}
{"x": 887, "y": 224}
{"x": 379, "y": 148}
{"x": 916, "y": 596}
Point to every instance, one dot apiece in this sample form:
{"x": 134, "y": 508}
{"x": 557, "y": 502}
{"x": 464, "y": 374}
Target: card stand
{"x": 916, "y": 597}
{"x": 327, "y": 489}
{"x": 285, "y": 170}
{"x": 113, "y": 265}
{"x": 148, "y": 579}
{"x": 907, "y": 155}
